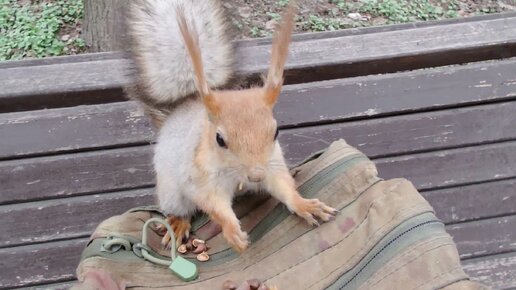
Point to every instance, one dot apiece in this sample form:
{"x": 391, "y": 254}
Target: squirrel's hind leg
{"x": 181, "y": 227}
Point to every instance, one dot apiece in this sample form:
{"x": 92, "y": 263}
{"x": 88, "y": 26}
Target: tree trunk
{"x": 103, "y": 26}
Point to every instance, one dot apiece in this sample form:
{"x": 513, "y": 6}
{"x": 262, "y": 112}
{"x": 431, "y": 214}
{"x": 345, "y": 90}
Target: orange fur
{"x": 218, "y": 207}
{"x": 181, "y": 228}
{"x": 280, "y": 45}
{"x": 244, "y": 120}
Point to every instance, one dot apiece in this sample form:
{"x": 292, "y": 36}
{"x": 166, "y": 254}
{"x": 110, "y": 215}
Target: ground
{"x": 40, "y": 28}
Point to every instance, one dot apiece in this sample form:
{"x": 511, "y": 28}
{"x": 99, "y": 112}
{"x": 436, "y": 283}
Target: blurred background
{"x": 41, "y": 28}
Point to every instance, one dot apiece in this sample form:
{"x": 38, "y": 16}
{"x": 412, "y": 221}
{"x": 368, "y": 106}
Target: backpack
{"x": 386, "y": 236}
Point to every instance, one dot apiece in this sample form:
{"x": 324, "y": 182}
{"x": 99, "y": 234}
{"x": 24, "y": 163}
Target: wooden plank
{"x": 77, "y": 216}
{"x": 364, "y": 97}
{"x": 73, "y": 129}
{"x": 453, "y": 167}
{"x": 389, "y": 51}
{"x": 484, "y": 237}
{"x": 61, "y": 85}
{"x": 85, "y": 57}
{"x": 52, "y": 286}
{"x": 497, "y": 271}
{"x": 491, "y": 162}
{"x": 40, "y": 264}
{"x": 127, "y": 168}
{"x": 408, "y": 133}
{"x": 56, "y": 261}
{"x": 65, "y": 218}
{"x": 473, "y": 202}
{"x": 76, "y": 174}
{"x": 62, "y": 130}
{"x": 68, "y": 84}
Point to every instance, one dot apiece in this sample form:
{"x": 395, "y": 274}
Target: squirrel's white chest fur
{"x": 174, "y": 162}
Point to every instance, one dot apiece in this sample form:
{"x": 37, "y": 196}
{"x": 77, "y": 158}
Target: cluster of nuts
{"x": 253, "y": 284}
{"x": 197, "y": 247}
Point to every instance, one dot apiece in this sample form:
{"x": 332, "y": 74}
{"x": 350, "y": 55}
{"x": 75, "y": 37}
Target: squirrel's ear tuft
{"x": 191, "y": 41}
{"x": 280, "y": 44}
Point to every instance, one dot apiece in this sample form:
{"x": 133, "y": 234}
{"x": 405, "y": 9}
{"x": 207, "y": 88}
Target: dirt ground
{"x": 257, "y": 18}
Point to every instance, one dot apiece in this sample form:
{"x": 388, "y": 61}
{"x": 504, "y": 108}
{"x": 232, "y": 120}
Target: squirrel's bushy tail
{"x": 164, "y": 72}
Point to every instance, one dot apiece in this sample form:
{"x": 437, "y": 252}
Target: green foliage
{"x": 274, "y": 15}
{"x": 33, "y": 30}
{"x": 258, "y": 32}
{"x": 400, "y": 11}
{"x": 282, "y": 3}
{"x": 316, "y": 23}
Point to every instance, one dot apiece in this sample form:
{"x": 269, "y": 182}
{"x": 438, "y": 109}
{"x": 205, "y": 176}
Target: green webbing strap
{"x": 183, "y": 268}
{"x": 113, "y": 244}
{"x": 146, "y": 249}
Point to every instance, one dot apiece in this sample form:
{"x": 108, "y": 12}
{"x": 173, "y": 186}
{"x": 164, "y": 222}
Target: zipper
{"x": 418, "y": 228}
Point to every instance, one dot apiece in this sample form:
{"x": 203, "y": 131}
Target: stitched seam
{"x": 363, "y": 248}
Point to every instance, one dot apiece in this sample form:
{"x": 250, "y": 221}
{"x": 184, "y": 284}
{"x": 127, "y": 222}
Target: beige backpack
{"x": 385, "y": 237}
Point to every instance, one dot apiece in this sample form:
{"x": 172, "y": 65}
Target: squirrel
{"x": 212, "y": 142}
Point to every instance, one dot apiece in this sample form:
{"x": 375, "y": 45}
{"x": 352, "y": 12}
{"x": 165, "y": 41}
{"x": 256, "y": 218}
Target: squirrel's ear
{"x": 191, "y": 40}
{"x": 280, "y": 44}
{"x": 211, "y": 105}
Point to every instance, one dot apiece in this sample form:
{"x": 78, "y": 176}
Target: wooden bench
{"x": 432, "y": 102}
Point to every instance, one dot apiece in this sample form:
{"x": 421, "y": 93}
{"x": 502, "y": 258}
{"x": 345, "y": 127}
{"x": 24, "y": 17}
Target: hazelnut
{"x": 229, "y": 285}
{"x": 182, "y": 249}
{"x": 200, "y": 248}
{"x": 203, "y": 257}
{"x": 196, "y": 242}
{"x": 254, "y": 284}
{"x": 189, "y": 245}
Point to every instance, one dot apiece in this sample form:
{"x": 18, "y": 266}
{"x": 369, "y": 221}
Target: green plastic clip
{"x": 184, "y": 269}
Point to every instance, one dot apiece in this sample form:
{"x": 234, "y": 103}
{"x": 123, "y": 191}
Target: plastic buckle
{"x": 137, "y": 249}
{"x": 184, "y": 269}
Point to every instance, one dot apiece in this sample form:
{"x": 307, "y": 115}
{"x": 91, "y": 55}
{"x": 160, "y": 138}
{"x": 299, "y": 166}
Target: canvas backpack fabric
{"x": 386, "y": 236}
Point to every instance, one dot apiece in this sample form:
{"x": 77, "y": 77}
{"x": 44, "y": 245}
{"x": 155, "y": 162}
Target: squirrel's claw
{"x": 309, "y": 209}
{"x": 236, "y": 238}
{"x": 181, "y": 228}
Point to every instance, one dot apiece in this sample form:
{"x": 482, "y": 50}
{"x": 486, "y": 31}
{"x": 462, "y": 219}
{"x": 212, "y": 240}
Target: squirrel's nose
{"x": 256, "y": 174}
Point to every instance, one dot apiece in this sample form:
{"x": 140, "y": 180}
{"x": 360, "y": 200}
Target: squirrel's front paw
{"x": 236, "y": 237}
{"x": 309, "y": 209}
{"x": 181, "y": 228}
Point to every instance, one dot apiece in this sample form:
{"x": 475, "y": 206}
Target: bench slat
{"x": 409, "y": 133}
{"x": 472, "y": 202}
{"x": 40, "y": 263}
{"x": 119, "y": 124}
{"x": 363, "y": 97}
{"x": 76, "y": 217}
{"x": 389, "y": 51}
{"x": 62, "y": 257}
{"x": 65, "y": 218}
{"x": 484, "y": 237}
{"x": 483, "y": 163}
{"x": 498, "y": 271}
{"x": 76, "y": 174}
{"x": 127, "y": 168}
{"x": 453, "y": 167}
{"x": 73, "y": 129}
{"x": 66, "y": 84}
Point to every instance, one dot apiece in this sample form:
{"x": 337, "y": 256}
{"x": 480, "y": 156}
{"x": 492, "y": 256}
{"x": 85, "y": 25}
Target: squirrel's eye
{"x": 276, "y": 134}
{"x": 221, "y": 141}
